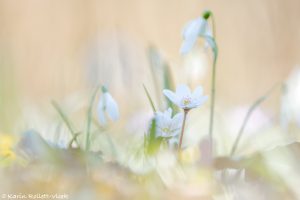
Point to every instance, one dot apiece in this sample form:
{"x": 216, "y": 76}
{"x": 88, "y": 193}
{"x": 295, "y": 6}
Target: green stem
{"x": 150, "y": 99}
{"x": 213, "y": 25}
{"x": 212, "y": 105}
{"x": 89, "y": 119}
{"x": 213, "y": 88}
{"x": 248, "y": 115}
{"x": 66, "y": 120}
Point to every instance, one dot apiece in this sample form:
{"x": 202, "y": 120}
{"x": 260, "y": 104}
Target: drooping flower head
{"x": 198, "y": 27}
{"x": 166, "y": 125}
{"x": 107, "y": 107}
{"x": 184, "y": 98}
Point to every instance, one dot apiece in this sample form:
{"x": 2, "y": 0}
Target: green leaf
{"x": 156, "y": 66}
{"x": 150, "y": 99}
{"x": 108, "y": 137}
{"x": 255, "y": 105}
{"x": 169, "y": 84}
{"x": 153, "y": 142}
{"x": 66, "y": 121}
{"x": 213, "y": 45}
{"x": 89, "y": 119}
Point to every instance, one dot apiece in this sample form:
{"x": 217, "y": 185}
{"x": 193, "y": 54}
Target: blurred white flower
{"x": 229, "y": 175}
{"x": 290, "y": 104}
{"x": 234, "y": 119}
{"x": 196, "y": 28}
{"x": 107, "y": 106}
{"x": 184, "y": 98}
{"x": 168, "y": 126}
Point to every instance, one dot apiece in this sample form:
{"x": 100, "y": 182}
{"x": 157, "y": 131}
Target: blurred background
{"x": 62, "y": 49}
{"x": 54, "y": 49}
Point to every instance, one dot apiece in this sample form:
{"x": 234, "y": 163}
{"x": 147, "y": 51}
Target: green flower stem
{"x": 213, "y": 87}
{"x": 182, "y": 129}
{"x": 90, "y": 118}
{"x": 66, "y": 121}
{"x": 212, "y": 104}
{"x": 248, "y": 115}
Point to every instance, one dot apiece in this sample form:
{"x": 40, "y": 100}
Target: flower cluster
{"x": 169, "y": 127}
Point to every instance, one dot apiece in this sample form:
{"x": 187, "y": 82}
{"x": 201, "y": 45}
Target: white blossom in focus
{"x": 184, "y": 98}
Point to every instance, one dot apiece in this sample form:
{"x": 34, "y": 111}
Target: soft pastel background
{"x": 44, "y": 46}
{"x": 61, "y": 49}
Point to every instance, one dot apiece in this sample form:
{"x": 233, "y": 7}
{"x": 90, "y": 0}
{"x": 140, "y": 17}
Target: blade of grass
{"x": 151, "y": 144}
{"x": 248, "y": 115}
{"x": 73, "y": 139}
{"x": 169, "y": 84}
{"x": 155, "y": 64}
{"x": 110, "y": 140}
{"x": 150, "y": 99}
{"x": 89, "y": 119}
{"x": 66, "y": 120}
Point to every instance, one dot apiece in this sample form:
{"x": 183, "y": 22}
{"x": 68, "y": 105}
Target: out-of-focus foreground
{"x": 54, "y": 54}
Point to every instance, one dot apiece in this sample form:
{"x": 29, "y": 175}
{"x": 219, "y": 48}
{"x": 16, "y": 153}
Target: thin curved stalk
{"x": 213, "y": 87}
{"x": 150, "y": 99}
{"x": 248, "y": 115}
{"x": 182, "y": 129}
{"x": 89, "y": 119}
{"x": 66, "y": 121}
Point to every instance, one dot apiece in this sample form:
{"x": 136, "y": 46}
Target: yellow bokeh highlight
{"x": 7, "y": 142}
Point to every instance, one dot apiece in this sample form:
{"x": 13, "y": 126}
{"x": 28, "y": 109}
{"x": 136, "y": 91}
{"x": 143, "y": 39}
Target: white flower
{"x": 184, "y": 98}
{"x": 290, "y": 104}
{"x": 196, "y": 28}
{"x": 230, "y": 175}
{"x": 166, "y": 125}
{"x": 107, "y": 106}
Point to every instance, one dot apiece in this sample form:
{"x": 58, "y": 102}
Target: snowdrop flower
{"x": 198, "y": 27}
{"x": 184, "y": 98}
{"x": 107, "y": 107}
{"x": 290, "y": 104}
{"x": 168, "y": 126}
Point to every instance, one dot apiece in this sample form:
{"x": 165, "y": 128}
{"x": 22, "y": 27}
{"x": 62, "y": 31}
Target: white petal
{"x": 210, "y": 42}
{"x": 159, "y": 133}
{"x": 197, "y": 92}
{"x": 100, "y": 111}
{"x": 201, "y": 100}
{"x": 190, "y": 106}
{"x": 177, "y": 121}
{"x": 168, "y": 113}
{"x": 193, "y": 28}
{"x": 171, "y": 96}
{"x": 208, "y": 31}
{"x": 111, "y": 107}
{"x": 183, "y": 91}
{"x": 188, "y": 44}
{"x": 204, "y": 29}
